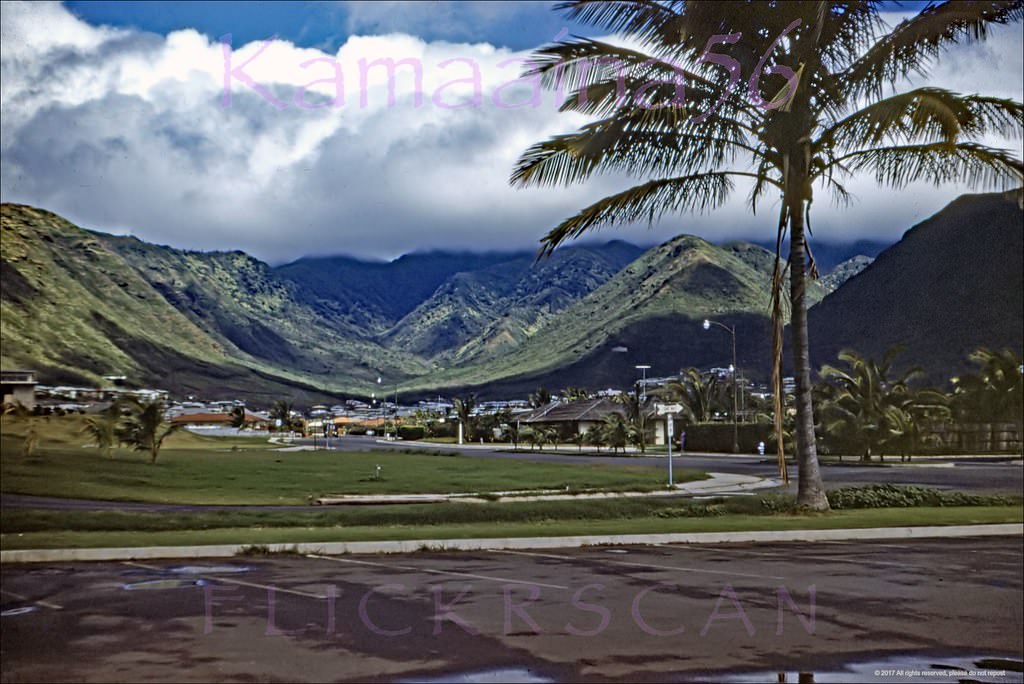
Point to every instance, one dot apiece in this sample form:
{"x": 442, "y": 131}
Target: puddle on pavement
{"x": 511, "y": 675}
{"x": 11, "y": 612}
{"x": 904, "y": 668}
{"x": 209, "y": 569}
{"x": 164, "y": 584}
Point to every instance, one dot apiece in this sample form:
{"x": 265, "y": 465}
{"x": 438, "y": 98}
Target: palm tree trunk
{"x": 811, "y": 490}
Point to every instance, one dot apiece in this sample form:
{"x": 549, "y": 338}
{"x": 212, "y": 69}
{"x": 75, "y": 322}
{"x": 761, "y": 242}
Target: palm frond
{"x": 639, "y": 142}
{"x": 925, "y": 114}
{"x": 970, "y": 163}
{"x": 645, "y": 19}
{"x": 915, "y": 43}
{"x": 645, "y": 203}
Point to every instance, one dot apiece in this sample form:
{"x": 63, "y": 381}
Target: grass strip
{"x": 845, "y": 519}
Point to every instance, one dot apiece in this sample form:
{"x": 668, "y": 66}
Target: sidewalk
{"x": 435, "y": 545}
{"x": 717, "y": 484}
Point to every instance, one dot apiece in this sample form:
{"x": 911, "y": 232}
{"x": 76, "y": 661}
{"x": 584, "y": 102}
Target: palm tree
{"x": 104, "y": 428}
{"x": 616, "y": 431}
{"x": 464, "y": 410}
{"x": 833, "y": 68}
{"x": 540, "y": 398}
{"x": 699, "y": 394}
{"x": 510, "y": 432}
{"x": 595, "y": 437}
{"x": 995, "y": 393}
{"x": 636, "y": 419}
{"x": 145, "y": 429}
{"x": 575, "y": 394}
{"x": 282, "y": 414}
{"x": 238, "y": 417}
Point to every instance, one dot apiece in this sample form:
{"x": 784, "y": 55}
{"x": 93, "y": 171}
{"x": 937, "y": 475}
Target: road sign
{"x": 669, "y": 408}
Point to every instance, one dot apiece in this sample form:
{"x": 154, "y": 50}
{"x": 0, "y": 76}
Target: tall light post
{"x": 383, "y": 413}
{"x": 735, "y": 394}
{"x": 643, "y": 383}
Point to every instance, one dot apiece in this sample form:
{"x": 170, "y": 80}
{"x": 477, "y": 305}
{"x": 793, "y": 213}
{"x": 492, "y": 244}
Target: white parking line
{"x": 432, "y": 571}
{"x": 632, "y": 564}
{"x": 44, "y": 604}
{"x": 231, "y": 580}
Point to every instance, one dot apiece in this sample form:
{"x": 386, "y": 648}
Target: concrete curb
{"x": 337, "y": 548}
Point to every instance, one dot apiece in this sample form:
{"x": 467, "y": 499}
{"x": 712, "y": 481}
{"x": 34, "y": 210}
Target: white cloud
{"x": 125, "y": 131}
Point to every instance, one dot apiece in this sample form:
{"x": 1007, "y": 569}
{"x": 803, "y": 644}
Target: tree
{"x": 575, "y": 394}
{"x": 238, "y": 417}
{"x": 540, "y": 398}
{"x": 863, "y": 406}
{"x": 104, "y": 429}
{"x": 616, "y": 431}
{"x": 595, "y": 436}
{"x": 464, "y": 407}
{"x": 282, "y": 416}
{"x": 831, "y": 70}
{"x": 995, "y": 393}
{"x": 510, "y": 432}
{"x": 699, "y": 394}
{"x": 145, "y": 429}
{"x": 635, "y": 419}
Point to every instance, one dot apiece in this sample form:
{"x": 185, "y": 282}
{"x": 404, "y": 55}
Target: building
{"x": 580, "y": 416}
{"x": 19, "y": 387}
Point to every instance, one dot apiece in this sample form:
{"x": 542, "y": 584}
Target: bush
{"x": 892, "y": 496}
{"x": 411, "y": 432}
{"x": 717, "y": 437}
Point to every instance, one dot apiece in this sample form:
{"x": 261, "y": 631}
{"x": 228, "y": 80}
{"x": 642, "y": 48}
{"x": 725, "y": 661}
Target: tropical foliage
{"x": 144, "y": 427}
{"x": 104, "y": 429}
{"x": 830, "y": 71}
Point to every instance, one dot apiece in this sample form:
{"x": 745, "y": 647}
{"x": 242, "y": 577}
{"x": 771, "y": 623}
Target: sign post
{"x": 671, "y": 431}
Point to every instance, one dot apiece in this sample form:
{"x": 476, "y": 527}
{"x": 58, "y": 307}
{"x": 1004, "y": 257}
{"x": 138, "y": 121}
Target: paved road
{"x": 839, "y": 611}
{"x": 997, "y": 474}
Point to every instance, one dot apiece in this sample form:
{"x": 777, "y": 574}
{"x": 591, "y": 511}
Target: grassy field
{"x": 195, "y": 469}
{"x": 884, "y": 517}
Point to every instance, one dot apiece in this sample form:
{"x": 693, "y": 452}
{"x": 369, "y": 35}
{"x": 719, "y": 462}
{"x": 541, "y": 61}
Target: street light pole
{"x": 643, "y": 383}
{"x": 735, "y": 394}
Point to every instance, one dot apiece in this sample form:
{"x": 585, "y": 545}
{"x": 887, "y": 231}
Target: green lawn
{"x": 194, "y": 469}
{"x": 884, "y": 517}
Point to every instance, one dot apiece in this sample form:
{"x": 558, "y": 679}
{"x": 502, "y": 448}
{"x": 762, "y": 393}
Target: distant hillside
{"x": 829, "y": 255}
{"x": 654, "y": 307}
{"x": 844, "y": 271}
{"x": 78, "y": 305}
{"x": 375, "y": 295}
{"x": 484, "y": 313}
{"x": 952, "y": 284}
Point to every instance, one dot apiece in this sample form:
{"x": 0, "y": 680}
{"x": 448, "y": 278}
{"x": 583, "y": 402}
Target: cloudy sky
{"x": 120, "y": 117}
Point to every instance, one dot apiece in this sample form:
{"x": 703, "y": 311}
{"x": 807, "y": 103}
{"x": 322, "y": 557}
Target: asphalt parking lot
{"x": 840, "y": 611}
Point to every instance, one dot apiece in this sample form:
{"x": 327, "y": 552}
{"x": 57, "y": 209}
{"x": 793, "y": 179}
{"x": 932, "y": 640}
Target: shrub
{"x": 892, "y": 496}
{"x": 411, "y": 432}
{"x": 717, "y": 437}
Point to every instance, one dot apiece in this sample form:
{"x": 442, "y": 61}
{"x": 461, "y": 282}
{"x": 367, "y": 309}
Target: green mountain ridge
{"x": 79, "y": 304}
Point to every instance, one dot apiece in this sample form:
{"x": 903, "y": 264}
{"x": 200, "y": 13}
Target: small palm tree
{"x": 595, "y": 436}
{"x": 616, "y": 431}
{"x": 510, "y": 432}
{"x": 145, "y": 429}
{"x": 540, "y": 398}
{"x": 104, "y": 429}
